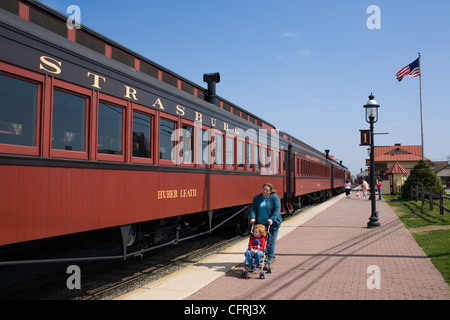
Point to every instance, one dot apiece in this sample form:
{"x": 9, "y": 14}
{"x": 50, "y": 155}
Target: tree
{"x": 421, "y": 175}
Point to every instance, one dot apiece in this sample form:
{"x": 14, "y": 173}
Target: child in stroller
{"x": 256, "y": 251}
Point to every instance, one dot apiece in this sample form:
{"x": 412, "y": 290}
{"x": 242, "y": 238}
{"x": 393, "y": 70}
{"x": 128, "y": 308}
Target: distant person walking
{"x": 364, "y": 188}
{"x": 347, "y": 186}
{"x": 379, "y": 186}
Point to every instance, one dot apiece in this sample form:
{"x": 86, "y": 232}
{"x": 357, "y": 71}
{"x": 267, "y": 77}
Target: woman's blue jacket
{"x": 274, "y": 206}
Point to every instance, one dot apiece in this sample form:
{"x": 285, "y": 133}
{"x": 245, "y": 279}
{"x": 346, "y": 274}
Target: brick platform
{"x": 328, "y": 257}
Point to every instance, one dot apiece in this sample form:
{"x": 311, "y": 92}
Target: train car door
{"x": 290, "y": 179}
{"x": 332, "y": 178}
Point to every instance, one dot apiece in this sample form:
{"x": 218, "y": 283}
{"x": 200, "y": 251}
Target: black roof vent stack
{"x": 211, "y": 79}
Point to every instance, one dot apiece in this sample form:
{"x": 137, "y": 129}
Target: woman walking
{"x": 265, "y": 210}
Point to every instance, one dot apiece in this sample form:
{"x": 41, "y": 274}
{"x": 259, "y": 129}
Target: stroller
{"x": 262, "y": 273}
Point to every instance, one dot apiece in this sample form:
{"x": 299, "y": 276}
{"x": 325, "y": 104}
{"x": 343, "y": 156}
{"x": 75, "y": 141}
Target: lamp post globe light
{"x": 371, "y": 108}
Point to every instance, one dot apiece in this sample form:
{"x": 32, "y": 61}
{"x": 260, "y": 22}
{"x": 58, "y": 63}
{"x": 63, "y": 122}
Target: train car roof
{"x": 306, "y": 147}
{"x": 300, "y": 144}
{"x": 185, "y": 84}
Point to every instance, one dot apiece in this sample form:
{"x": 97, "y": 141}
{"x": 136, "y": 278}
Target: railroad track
{"x": 114, "y": 289}
{"x": 112, "y": 278}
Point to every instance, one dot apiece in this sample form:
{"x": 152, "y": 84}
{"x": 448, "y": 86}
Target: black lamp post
{"x": 372, "y": 117}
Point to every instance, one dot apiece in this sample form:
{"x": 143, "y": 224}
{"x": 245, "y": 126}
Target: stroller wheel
{"x": 262, "y": 275}
{"x": 244, "y": 274}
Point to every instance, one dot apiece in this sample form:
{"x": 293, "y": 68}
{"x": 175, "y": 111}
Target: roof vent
{"x": 212, "y": 79}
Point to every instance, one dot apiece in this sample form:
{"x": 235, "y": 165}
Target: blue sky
{"x": 305, "y": 66}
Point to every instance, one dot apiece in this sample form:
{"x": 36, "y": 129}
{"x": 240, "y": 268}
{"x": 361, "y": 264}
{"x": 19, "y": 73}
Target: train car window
{"x": 165, "y": 139}
{"x": 277, "y": 163}
{"x": 122, "y": 57}
{"x": 18, "y": 111}
{"x": 263, "y": 157}
{"x": 187, "y": 88}
{"x": 167, "y": 78}
{"x": 201, "y": 94}
{"x": 218, "y": 149}
{"x": 226, "y": 107}
{"x": 249, "y": 155}
{"x": 149, "y": 70}
{"x": 110, "y": 129}
{"x": 240, "y": 154}
{"x": 230, "y": 151}
{"x": 187, "y": 139}
{"x": 142, "y": 135}
{"x": 10, "y": 5}
{"x": 47, "y": 22}
{"x": 257, "y": 158}
{"x": 90, "y": 42}
{"x": 203, "y": 141}
{"x": 69, "y": 122}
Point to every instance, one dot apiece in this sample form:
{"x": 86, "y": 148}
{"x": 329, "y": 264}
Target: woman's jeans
{"x": 271, "y": 246}
{"x": 249, "y": 256}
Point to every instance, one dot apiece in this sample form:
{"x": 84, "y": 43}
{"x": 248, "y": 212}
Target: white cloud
{"x": 305, "y": 52}
{"x": 289, "y": 35}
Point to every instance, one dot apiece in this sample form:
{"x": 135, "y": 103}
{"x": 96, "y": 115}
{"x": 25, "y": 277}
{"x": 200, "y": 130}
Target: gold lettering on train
{"x": 172, "y": 194}
{"x": 180, "y": 110}
{"x": 187, "y": 193}
{"x": 130, "y": 92}
{"x": 49, "y": 62}
{"x": 159, "y": 103}
{"x": 167, "y": 194}
{"x": 198, "y": 116}
{"x": 96, "y": 80}
{"x": 54, "y": 66}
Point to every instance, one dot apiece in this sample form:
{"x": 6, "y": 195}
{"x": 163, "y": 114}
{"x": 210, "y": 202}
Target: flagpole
{"x": 421, "y": 107}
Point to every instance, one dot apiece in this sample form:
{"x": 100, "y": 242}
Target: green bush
{"x": 421, "y": 175}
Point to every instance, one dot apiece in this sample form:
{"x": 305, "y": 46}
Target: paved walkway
{"x": 324, "y": 253}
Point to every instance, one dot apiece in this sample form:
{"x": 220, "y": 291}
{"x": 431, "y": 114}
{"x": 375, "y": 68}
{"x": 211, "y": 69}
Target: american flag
{"x": 412, "y": 70}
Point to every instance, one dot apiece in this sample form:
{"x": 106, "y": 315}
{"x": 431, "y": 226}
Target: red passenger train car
{"x": 95, "y": 136}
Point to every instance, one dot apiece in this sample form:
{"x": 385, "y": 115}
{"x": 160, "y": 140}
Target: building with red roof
{"x": 397, "y": 175}
{"x": 442, "y": 170}
{"x": 406, "y": 156}
{"x": 394, "y": 163}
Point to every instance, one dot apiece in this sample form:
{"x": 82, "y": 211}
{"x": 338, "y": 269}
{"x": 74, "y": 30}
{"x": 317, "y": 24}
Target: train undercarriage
{"x": 139, "y": 238}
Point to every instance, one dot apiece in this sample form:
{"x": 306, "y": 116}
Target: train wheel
{"x": 297, "y": 203}
{"x": 129, "y": 235}
{"x": 244, "y": 222}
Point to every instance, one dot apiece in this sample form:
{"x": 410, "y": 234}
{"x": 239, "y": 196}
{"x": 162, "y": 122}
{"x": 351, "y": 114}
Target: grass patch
{"x": 435, "y": 243}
